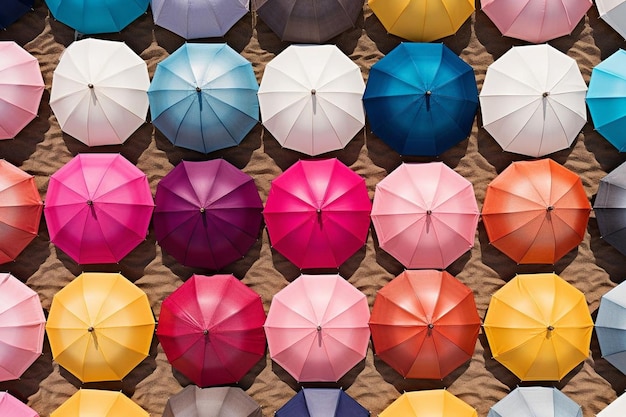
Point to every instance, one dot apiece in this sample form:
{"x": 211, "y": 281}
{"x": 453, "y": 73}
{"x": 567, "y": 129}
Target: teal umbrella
{"x": 97, "y": 16}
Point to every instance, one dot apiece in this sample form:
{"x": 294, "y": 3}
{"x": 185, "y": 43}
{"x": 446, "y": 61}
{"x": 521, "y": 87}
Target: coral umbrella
{"x": 535, "y": 401}
{"x": 317, "y": 329}
{"x": 99, "y": 403}
{"x": 193, "y": 401}
{"x": 318, "y": 213}
{"x": 100, "y": 326}
{"x": 610, "y": 208}
{"x": 21, "y": 328}
{"x": 208, "y": 213}
{"x": 211, "y": 329}
{"x": 539, "y": 327}
{"x": 535, "y": 212}
{"x": 20, "y": 211}
{"x": 21, "y": 88}
{"x": 611, "y": 327}
{"x": 96, "y": 16}
{"x": 98, "y": 208}
{"x": 615, "y": 409}
{"x": 424, "y": 324}
{"x": 425, "y": 215}
{"x": 11, "y": 406}
{"x": 428, "y": 403}
{"x": 322, "y": 402}
{"x": 12, "y": 10}
{"x": 613, "y": 12}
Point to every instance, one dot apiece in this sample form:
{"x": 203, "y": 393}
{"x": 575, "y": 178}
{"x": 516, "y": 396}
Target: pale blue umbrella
{"x": 535, "y": 401}
{"x": 97, "y": 16}
{"x": 611, "y": 327}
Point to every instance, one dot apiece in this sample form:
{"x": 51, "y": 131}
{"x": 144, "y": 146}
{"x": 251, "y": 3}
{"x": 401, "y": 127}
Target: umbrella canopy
{"x": 99, "y": 91}
{"x": 198, "y": 19}
{"x": 535, "y": 21}
{"x": 322, "y": 402}
{"x": 12, "y": 10}
{"x": 535, "y": 401}
{"x": 306, "y": 21}
{"x": 21, "y": 328}
{"x": 100, "y": 326}
{"x": 211, "y": 329}
{"x": 533, "y": 100}
{"x": 203, "y": 97}
{"x": 611, "y": 327}
{"x": 97, "y": 16}
{"x": 21, "y": 88}
{"x": 425, "y": 215}
{"x": 11, "y": 406}
{"x": 311, "y": 98}
{"x": 610, "y": 208}
{"x": 318, "y": 213}
{"x": 99, "y": 403}
{"x": 20, "y": 211}
{"x": 613, "y": 12}
{"x": 317, "y": 329}
{"x": 615, "y": 409}
{"x": 421, "y": 99}
{"x": 424, "y": 324}
{"x": 98, "y": 208}
{"x": 539, "y": 327}
{"x": 193, "y": 401}
{"x": 428, "y": 403}
{"x": 208, "y": 213}
{"x": 536, "y": 211}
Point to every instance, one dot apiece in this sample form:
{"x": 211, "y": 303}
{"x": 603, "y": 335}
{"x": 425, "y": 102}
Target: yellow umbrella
{"x": 100, "y": 327}
{"x": 539, "y": 327}
{"x": 428, "y": 403}
{"x": 422, "y": 20}
{"x": 99, "y": 403}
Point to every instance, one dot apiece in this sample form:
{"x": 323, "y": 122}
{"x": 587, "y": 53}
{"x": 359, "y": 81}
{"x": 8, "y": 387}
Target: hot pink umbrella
{"x": 317, "y": 327}
{"x": 98, "y": 208}
{"x": 22, "y": 325}
{"x": 425, "y": 215}
{"x": 11, "y": 406}
{"x": 317, "y": 213}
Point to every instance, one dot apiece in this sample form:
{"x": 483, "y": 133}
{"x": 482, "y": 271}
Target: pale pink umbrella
{"x": 425, "y": 215}
{"x": 11, "y": 406}
{"x": 317, "y": 327}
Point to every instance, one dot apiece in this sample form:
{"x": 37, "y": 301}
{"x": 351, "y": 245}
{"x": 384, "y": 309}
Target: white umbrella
{"x": 615, "y": 409}
{"x": 99, "y": 91}
{"x": 310, "y": 98}
{"x": 613, "y": 12}
{"x": 535, "y": 401}
{"x": 533, "y": 100}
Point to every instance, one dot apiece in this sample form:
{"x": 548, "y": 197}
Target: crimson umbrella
{"x": 208, "y": 213}
{"x": 211, "y": 329}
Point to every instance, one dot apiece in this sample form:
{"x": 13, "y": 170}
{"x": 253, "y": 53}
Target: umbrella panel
{"x": 193, "y": 401}
{"x": 321, "y": 402}
{"x": 12, "y": 10}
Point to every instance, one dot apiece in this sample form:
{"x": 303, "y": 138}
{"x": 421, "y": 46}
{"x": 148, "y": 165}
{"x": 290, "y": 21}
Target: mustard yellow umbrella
{"x": 422, "y": 20}
{"x": 539, "y": 327}
{"x": 100, "y": 327}
{"x": 99, "y": 403}
{"x": 428, "y": 403}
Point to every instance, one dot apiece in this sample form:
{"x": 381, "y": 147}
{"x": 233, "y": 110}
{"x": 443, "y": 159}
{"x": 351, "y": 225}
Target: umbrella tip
{"x": 431, "y": 326}
{"x": 205, "y": 332}
{"x": 545, "y": 94}
{"x": 550, "y": 208}
{"x": 198, "y": 89}
{"x": 90, "y": 329}
{"x": 429, "y": 212}
{"x": 319, "y": 328}
{"x": 90, "y": 202}
{"x": 550, "y": 328}
{"x": 313, "y": 91}
{"x": 428, "y": 92}
{"x": 90, "y": 85}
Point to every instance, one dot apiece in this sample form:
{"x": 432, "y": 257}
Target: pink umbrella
{"x": 425, "y": 215}
{"x": 98, "y": 208}
{"x": 317, "y": 327}
{"x": 11, "y": 406}
{"x": 22, "y": 326}
{"x": 317, "y": 213}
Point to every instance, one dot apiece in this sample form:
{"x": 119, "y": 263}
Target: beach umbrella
{"x": 606, "y": 98}
{"x": 12, "y": 10}
{"x": 318, "y": 213}
{"x": 424, "y": 324}
{"x": 20, "y": 210}
{"x": 207, "y": 214}
{"x": 211, "y": 329}
{"x": 538, "y": 326}
{"x": 193, "y": 401}
{"x": 421, "y": 99}
{"x": 611, "y": 327}
{"x": 428, "y": 403}
{"x": 99, "y": 403}
{"x": 11, "y": 406}
{"x": 317, "y": 328}
{"x": 533, "y": 100}
{"x": 614, "y": 409}
{"x": 199, "y": 18}
{"x": 311, "y": 98}
{"x": 610, "y": 208}
{"x": 322, "y": 402}
{"x": 99, "y": 91}
{"x": 613, "y": 12}
{"x": 535, "y": 212}
{"x": 535, "y": 401}
{"x": 535, "y": 21}
{"x": 100, "y": 326}
{"x": 21, "y": 88}
{"x": 306, "y": 21}
{"x": 425, "y": 215}
{"x": 98, "y": 208}
{"x": 21, "y": 328}
{"x": 203, "y": 97}
{"x": 97, "y": 16}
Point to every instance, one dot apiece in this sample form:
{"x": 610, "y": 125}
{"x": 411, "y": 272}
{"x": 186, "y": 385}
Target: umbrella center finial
{"x": 545, "y": 94}
{"x": 90, "y": 85}
{"x": 431, "y": 326}
{"x": 202, "y": 209}
{"x": 90, "y": 202}
{"x": 428, "y": 92}
{"x": 198, "y": 89}
{"x": 319, "y": 328}
{"x": 90, "y": 329}
{"x": 429, "y": 212}
{"x": 550, "y": 328}
{"x": 550, "y": 208}
{"x": 205, "y": 332}
{"x": 313, "y": 92}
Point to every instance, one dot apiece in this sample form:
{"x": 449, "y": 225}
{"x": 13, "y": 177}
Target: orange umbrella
{"x": 536, "y": 211}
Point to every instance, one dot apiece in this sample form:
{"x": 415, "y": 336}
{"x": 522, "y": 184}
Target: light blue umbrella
{"x": 204, "y": 97}
{"x": 535, "y": 402}
{"x": 97, "y": 16}
{"x": 611, "y": 327}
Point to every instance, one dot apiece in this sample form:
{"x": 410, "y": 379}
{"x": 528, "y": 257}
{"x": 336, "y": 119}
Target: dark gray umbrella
{"x": 610, "y": 208}
{"x": 193, "y": 401}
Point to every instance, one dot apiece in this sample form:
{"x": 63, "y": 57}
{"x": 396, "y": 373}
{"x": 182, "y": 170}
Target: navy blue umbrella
{"x": 11, "y": 10}
{"x": 322, "y": 402}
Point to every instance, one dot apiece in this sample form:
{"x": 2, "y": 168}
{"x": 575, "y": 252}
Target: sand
{"x": 41, "y": 149}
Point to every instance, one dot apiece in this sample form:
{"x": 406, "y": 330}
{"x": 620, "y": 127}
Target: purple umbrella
{"x": 208, "y": 214}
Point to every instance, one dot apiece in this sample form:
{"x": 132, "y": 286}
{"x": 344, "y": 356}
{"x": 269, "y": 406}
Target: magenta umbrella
{"x": 208, "y": 214}
{"x": 98, "y": 208}
{"x": 11, "y": 406}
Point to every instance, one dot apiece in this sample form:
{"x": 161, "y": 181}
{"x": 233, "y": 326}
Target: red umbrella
{"x": 211, "y": 329}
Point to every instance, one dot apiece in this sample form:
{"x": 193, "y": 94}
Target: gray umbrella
{"x": 535, "y": 401}
{"x": 611, "y": 327}
{"x": 610, "y": 208}
{"x": 193, "y": 401}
